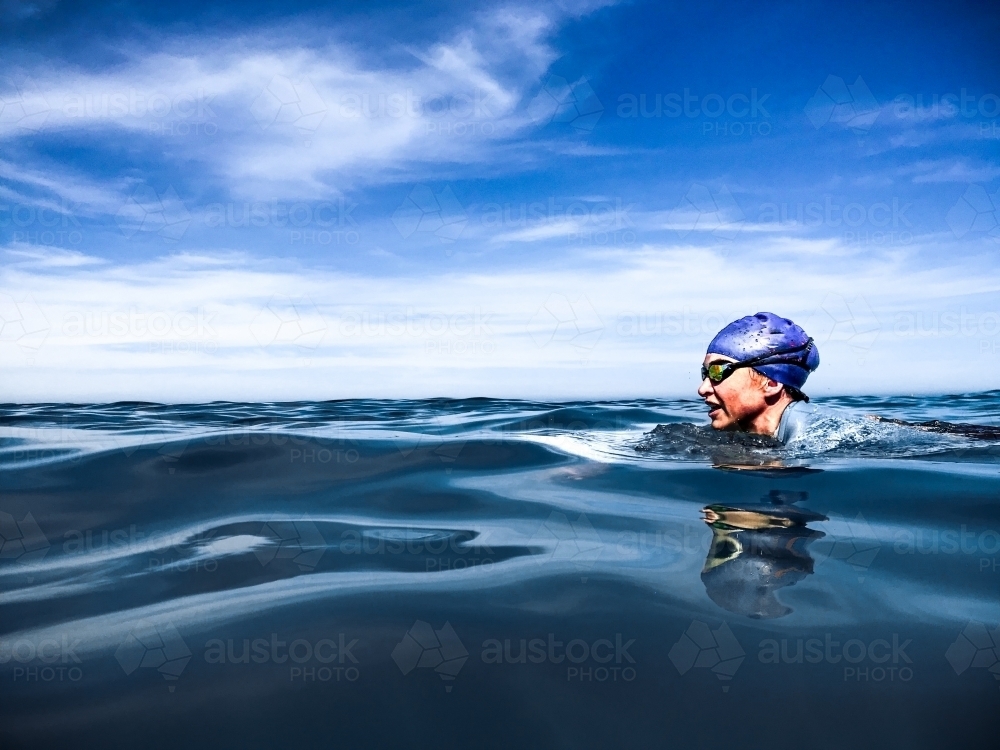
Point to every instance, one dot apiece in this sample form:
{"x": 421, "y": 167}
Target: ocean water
{"x": 486, "y": 573}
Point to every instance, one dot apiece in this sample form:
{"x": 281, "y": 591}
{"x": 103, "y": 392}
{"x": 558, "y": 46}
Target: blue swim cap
{"x": 761, "y": 334}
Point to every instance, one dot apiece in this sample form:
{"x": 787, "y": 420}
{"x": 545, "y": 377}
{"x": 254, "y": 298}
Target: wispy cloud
{"x": 25, "y": 255}
{"x": 303, "y": 119}
{"x": 59, "y": 188}
{"x": 951, "y": 170}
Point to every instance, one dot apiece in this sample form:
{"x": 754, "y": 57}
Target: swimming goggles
{"x": 719, "y": 371}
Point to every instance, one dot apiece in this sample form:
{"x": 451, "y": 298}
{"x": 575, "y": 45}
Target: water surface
{"x": 491, "y": 573}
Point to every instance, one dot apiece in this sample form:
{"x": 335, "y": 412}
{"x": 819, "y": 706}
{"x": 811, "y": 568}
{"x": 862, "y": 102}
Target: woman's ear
{"x": 772, "y": 387}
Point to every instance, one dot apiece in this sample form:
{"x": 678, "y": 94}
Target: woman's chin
{"x": 719, "y": 419}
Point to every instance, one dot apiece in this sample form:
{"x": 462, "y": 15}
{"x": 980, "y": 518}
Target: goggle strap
{"x": 762, "y": 359}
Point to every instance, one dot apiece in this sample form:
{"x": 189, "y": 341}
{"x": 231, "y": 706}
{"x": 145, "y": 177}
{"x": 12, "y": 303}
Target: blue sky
{"x": 558, "y": 200}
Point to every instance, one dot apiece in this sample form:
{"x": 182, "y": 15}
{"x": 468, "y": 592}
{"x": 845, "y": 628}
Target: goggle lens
{"x": 716, "y": 372}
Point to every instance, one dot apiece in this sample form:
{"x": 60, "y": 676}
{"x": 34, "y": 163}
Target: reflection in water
{"x": 768, "y": 469}
{"x": 756, "y": 550}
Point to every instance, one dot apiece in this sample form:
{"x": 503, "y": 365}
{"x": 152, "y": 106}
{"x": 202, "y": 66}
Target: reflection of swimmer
{"x": 752, "y": 376}
{"x": 756, "y": 550}
{"x": 763, "y": 465}
{"x": 769, "y": 469}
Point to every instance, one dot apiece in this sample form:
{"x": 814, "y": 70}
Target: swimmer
{"x": 752, "y": 377}
{"x": 755, "y": 551}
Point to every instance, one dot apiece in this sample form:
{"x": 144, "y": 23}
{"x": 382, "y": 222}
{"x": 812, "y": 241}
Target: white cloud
{"x": 63, "y": 190}
{"x": 559, "y": 228}
{"x": 455, "y": 102}
{"x": 191, "y": 327}
{"x": 26, "y": 255}
{"x": 944, "y": 170}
